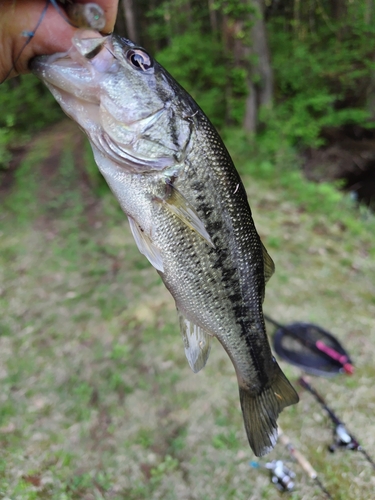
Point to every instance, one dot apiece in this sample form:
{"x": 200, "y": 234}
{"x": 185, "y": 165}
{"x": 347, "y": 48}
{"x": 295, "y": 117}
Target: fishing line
{"x": 88, "y": 15}
{"x": 62, "y": 13}
{"x": 29, "y": 35}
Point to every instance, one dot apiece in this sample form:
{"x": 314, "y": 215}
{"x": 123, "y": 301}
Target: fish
{"x": 187, "y": 208}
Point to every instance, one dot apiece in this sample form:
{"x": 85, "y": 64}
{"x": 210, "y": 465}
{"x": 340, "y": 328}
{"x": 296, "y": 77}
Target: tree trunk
{"x": 368, "y": 11}
{"x": 120, "y": 26}
{"x": 338, "y": 9}
{"x": 213, "y": 16}
{"x": 263, "y": 67}
{"x": 297, "y": 17}
{"x": 129, "y": 7}
{"x": 251, "y": 52}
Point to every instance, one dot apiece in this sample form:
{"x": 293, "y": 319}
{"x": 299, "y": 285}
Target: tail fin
{"x": 260, "y": 412}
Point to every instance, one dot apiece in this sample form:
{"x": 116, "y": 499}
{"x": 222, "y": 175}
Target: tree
{"x": 260, "y": 74}
{"x": 131, "y": 20}
{"x": 246, "y": 36}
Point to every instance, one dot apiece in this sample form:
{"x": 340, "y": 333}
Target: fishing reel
{"x": 342, "y": 439}
{"x": 281, "y": 476}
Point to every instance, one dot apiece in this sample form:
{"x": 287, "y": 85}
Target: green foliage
{"x": 96, "y": 180}
{"x": 5, "y": 154}
{"x": 236, "y": 9}
{"x": 225, "y": 440}
{"x": 322, "y": 80}
{"x": 169, "y": 464}
{"x": 279, "y": 169}
{"x": 323, "y": 66}
{"x": 26, "y": 106}
{"x": 196, "y": 63}
{"x": 22, "y": 200}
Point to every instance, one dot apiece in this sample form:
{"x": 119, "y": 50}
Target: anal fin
{"x": 196, "y": 343}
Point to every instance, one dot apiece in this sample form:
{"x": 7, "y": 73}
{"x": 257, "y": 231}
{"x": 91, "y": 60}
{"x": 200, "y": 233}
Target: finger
{"x": 52, "y": 35}
{"x": 110, "y": 11}
{"x": 110, "y": 8}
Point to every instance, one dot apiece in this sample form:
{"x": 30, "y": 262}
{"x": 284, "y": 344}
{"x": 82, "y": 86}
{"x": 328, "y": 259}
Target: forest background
{"x": 97, "y": 400}
{"x": 299, "y": 75}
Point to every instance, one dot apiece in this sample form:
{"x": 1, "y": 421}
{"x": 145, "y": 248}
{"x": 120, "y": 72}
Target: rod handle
{"x": 304, "y": 463}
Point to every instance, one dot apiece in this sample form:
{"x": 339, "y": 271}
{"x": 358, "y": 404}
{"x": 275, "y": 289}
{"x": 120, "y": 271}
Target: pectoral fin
{"x": 196, "y": 343}
{"x": 179, "y": 206}
{"x": 146, "y": 246}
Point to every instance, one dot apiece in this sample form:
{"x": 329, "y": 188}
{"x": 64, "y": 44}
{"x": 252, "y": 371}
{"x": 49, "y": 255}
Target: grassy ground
{"x": 97, "y": 399}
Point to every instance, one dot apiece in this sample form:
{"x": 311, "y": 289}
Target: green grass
{"x": 97, "y": 398}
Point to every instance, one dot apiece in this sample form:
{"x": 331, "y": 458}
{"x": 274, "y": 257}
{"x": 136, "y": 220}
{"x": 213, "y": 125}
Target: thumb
{"x": 30, "y": 28}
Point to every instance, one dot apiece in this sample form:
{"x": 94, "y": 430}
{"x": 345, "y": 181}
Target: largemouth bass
{"x": 187, "y": 208}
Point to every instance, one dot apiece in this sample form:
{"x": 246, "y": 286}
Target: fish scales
{"x": 245, "y": 250}
{"x": 235, "y": 243}
{"x": 186, "y": 205}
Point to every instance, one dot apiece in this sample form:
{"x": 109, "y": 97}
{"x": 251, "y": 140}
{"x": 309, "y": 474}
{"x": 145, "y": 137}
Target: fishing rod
{"x": 302, "y": 460}
{"x": 342, "y": 437}
{"x": 317, "y": 352}
{"x": 282, "y": 476}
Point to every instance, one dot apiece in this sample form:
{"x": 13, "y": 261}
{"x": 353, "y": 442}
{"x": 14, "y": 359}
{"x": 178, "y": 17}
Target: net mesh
{"x": 296, "y": 343}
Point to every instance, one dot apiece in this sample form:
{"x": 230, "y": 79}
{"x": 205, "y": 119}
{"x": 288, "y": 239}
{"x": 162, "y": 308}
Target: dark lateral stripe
{"x": 255, "y": 351}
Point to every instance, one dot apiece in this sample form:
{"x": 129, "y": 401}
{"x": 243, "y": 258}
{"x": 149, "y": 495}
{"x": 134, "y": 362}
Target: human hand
{"x": 54, "y": 34}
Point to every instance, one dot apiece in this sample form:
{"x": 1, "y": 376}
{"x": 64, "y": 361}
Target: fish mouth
{"x": 65, "y": 75}
{"x": 80, "y": 70}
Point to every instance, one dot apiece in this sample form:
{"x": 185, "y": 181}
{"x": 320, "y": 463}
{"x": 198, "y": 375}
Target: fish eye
{"x": 139, "y": 59}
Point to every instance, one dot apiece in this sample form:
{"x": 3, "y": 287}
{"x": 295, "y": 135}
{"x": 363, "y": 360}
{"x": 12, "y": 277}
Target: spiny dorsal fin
{"x": 196, "y": 343}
